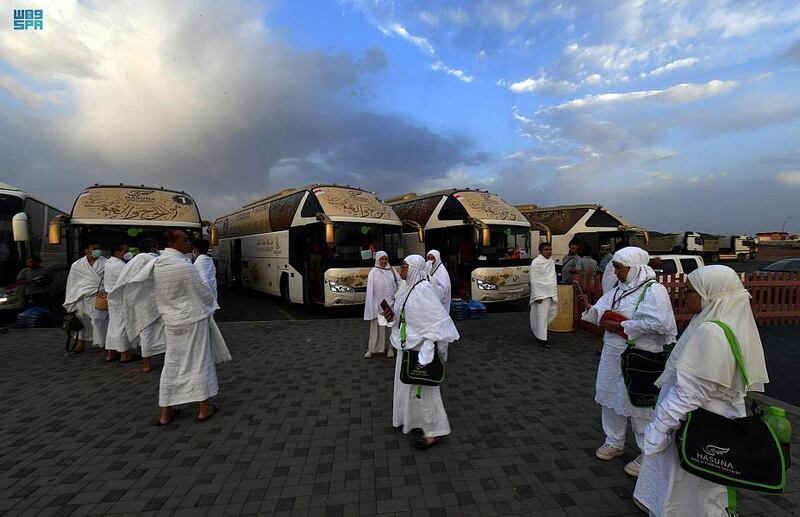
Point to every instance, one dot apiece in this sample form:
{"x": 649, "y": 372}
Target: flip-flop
{"x": 134, "y": 371}
{"x": 171, "y": 418}
{"x": 132, "y": 359}
{"x": 422, "y": 445}
{"x": 214, "y": 410}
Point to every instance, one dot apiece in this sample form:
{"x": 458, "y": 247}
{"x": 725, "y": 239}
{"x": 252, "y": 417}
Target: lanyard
{"x": 616, "y": 301}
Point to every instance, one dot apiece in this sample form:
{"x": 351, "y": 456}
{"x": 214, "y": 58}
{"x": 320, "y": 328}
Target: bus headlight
{"x": 336, "y": 287}
{"x": 7, "y": 295}
{"x": 486, "y": 286}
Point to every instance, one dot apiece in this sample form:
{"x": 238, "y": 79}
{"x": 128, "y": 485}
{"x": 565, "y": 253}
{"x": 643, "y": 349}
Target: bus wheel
{"x": 285, "y": 288}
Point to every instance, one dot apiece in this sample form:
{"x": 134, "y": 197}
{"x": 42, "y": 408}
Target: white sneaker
{"x": 368, "y": 355}
{"x": 633, "y": 467}
{"x": 607, "y": 452}
{"x": 390, "y": 353}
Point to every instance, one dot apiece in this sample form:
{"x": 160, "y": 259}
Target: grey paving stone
{"x": 296, "y": 436}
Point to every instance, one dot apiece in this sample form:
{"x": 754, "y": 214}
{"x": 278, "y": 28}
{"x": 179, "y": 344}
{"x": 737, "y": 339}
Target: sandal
{"x": 171, "y": 418}
{"x": 424, "y": 445}
{"x": 206, "y": 418}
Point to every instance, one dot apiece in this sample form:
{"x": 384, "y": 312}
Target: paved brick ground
{"x": 305, "y": 429}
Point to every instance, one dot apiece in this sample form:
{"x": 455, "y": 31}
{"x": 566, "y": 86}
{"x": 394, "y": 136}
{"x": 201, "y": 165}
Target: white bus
{"x": 484, "y": 242}
{"x": 313, "y": 244}
{"x": 117, "y": 214}
{"x": 23, "y": 232}
{"x": 594, "y": 224}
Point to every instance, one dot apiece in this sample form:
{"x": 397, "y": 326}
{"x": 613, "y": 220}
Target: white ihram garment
{"x": 136, "y": 294}
{"x": 543, "y": 287}
{"x": 440, "y": 280}
{"x": 116, "y": 336}
{"x": 701, "y": 372}
{"x": 83, "y": 283}
{"x": 382, "y": 284}
{"x": 205, "y": 267}
{"x": 426, "y": 322}
{"x": 194, "y": 342}
{"x": 652, "y": 326}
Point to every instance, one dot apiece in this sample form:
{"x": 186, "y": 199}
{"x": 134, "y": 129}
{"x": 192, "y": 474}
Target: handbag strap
{"x": 403, "y": 316}
{"x": 632, "y": 342}
{"x": 737, "y": 352}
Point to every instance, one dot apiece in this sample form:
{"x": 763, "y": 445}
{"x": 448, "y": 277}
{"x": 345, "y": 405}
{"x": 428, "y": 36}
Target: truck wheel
{"x": 285, "y": 288}
{"x": 715, "y": 258}
{"x": 741, "y": 257}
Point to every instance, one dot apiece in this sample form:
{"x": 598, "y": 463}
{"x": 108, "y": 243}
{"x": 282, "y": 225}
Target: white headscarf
{"x": 425, "y": 316}
{"x": 382, "y": 284}
{"x": 637, "y": 259}
{"x": 438, "y": 276}
{"x": 703, "y": 351}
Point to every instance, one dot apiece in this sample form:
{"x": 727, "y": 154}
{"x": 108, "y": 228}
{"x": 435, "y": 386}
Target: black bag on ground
{"x": 72, "y": 323}
{"x": 738, "y": 452}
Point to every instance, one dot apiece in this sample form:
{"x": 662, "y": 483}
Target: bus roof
{"x": 131, "y": 205}
{"x": 276, "y": 211}
{"x": 561, "y": 218}
{"x": 478, "y": 204}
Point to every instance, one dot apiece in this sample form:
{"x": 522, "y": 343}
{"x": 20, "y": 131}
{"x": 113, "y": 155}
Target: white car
{"x": 675, "y": 264}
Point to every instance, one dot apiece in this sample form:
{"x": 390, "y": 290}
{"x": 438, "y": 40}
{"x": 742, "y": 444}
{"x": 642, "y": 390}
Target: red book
{"x": 619, "y": 318}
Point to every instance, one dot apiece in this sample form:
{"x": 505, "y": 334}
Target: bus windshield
{"x": 355, "y": 243}
{"x": 506, "y": 243}
{"x": 9, "y": 262}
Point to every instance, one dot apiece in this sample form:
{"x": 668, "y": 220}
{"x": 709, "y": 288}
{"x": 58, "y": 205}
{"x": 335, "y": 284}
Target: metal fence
{"x": 775, "y": 298}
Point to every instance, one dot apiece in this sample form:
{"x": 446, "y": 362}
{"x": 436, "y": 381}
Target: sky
{"x": 677, "y": 115}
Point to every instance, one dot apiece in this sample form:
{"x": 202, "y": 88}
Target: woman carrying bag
{"x": 642, "y": 317}
{"x": 702, "y": 372}
{"x": 382, "y": 284}
{"x": 422, "y": 326}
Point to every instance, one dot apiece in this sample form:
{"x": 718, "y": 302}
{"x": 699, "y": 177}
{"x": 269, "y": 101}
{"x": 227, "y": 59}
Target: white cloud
{"x": 543, "y": 84}
{"x": 678, "y": 63}
{"x": 608, "y": 57}
{"x": 660, "y": 175}
{"x": 791, "y": 178}
{"x": 418, "y": 41}
{"x": 33, "y": 99}
{"x": 428, "y": 18}
{"x": 458, "y": 16}
{"x": 439, "y": 66}
{"x": 593, "y": 79}
{"x": 678, "y": 94}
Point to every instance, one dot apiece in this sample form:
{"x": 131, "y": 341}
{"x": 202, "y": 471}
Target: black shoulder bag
{"x": 411, "y": 372}
{"x": 735, "y": 452}
{"x": 72, "y": 324}
{"x": 641, "y": 369}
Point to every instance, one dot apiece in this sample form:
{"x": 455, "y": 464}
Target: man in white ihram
{"x": 142, "y": 322}
{"x": 194, "y": 342}
{"x": 205, "y": 265}
{"x": 544, "y": 293}
{"x": 85, "y": 280}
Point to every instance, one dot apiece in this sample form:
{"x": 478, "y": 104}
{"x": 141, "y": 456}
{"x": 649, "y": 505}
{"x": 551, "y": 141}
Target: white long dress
{"x": 440, "y": 280}
{"x": 701, "y": 372}
{"x": 426, "y": 323}
{"x": 543, "y": 287}
{"x": 116, "y": 336}
{"x": 382, "y": 284}
{"x": 652, "y": 326}
{"x": 194, "y": 343}
{"x": 83, "y": 283}
{"x": 143, "y": 324}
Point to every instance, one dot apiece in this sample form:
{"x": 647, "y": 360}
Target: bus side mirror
{"x": 486, "y": 239}
{"x": 19, "y": 227}
{"x": 420, "y": 235}
{"x": 213, "y": 235}
{"x": 329, "y": 236}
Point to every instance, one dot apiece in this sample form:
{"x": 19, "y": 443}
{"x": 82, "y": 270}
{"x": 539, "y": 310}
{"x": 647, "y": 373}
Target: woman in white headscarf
{"x": 650, "y": 323}
{"x": 439, "y": 278}
{"x": 428, "y": 327}
{"x": 382, "y": 284}
{"x": 544, "y": 292}
{"x": 701, "y": 372}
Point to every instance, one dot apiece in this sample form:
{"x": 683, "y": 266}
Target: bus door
{"x": 236, "y": 262}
